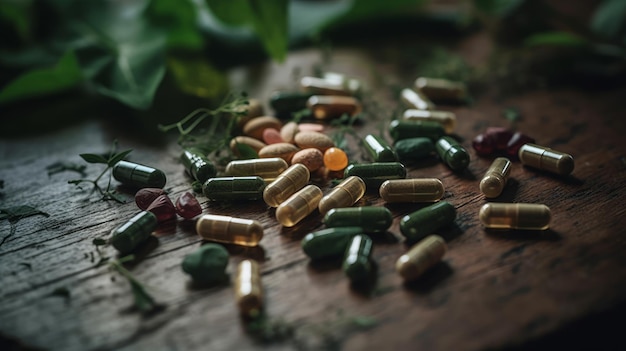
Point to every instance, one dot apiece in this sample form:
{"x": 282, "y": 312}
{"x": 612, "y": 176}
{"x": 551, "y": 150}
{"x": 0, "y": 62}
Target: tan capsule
{"x": 253, "y": 109}
{"x": 288, "y": 132}
{"x": 353, "y": 85}
{"x": 496, "y": 177}
{"x": 255, "y": 144}
{"x": 416, "y": 100}
{"x": 229, "y": 230}
{"x": 315, "y": 140}
{"x": 255, "y": 127}
{"x": 321, "y": 86}
{"x": 299, "y": 205}
{"x": 421, "y": 257}
{"x": 441, "y": 89}
{"x": 546, "y": 159}
{"x": 411, "y": 190}
{"x": 515, "y": 216}
{"x": 286, "y": 184}
{"x": 313, "y": 159}
{"x": 248, "y": 288}
{"x": 266, "y": 168}
{"x": 445, "y": 118}
{"x": 326, "y": 107}
{"x": 282, "y": 150}
{"x": 345, "y": 194}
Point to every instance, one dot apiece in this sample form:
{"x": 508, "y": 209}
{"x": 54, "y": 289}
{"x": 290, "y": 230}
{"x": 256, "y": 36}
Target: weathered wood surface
{"x": 493, "y": 290}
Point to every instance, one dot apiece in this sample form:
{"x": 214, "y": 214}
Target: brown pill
{"x": 255, "y": 144}
{"x": 313, "y": 159}
{"x": 255, "y": 127}
{"x": 253, "y": 109}
{"x": 282, "y": 150}
{"x": 288, "y": 132}
{"x": 314, "y": 140}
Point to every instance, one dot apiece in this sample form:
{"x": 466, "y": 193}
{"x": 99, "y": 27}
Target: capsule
{"x": 415, "y": 226}
{"x": 452, "y": 153}
{"x": 412, "y": 190}
{"x": 414, "y": 148}
{"x": 379, "y": 150}
{"x": 321, "y": 86}
{"x": 445, "y": 118}
{"x": 515, "y": 216}
{"x": 138, "y": 176}
{"x": 374, "y": 174}
{"x": 298, "y": 206}
{"x": 134, "y": 232}
{"x": 229, "y": 230}
{"x": 421, "y": 257}
{"x": 546, "y": 159}
{"x": 404, "y": 130}
{"x": 266, "y": 168}
{"x": 416, "y": 100}
{"x": 357, "y": 261}
{"x": 248, "y": 288}
{"x": 234, "y": 188}
{"x": 354, "y": 86}
{"x": 371, "y": 218}
{"x": 287, "y": 183}
{"x": 441, "y": 89}
{"x": 345, "y": 194}
{"x": 496, "y": 177}
{"x": 330, "y": 242}
{"x": 327, "y": 107}
{"x": 197, "y": 165}
{"x": 285, "y": 103}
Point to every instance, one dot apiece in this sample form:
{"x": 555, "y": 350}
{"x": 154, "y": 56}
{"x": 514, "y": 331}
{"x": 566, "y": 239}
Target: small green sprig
{"x": 144, "y": 302}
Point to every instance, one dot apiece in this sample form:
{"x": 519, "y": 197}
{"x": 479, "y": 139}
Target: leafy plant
{"x": 143, "y": 301}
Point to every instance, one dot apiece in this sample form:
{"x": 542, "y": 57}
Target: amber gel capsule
{"x": 357, "y": 261}
{"x": 379, "y": 150}
{"x": 371, "y": 218}
{"x": 248, "y": 288}
{"x": 299, "y": 205}
{"x": 427, "y": 220}
{"x": 326, "y": 107}
{"x": 266, "y": 168}
{"x": 415, "y": 99}
{"x": 134, "y": 232}
{"x": 496, "y": 177}
{"x": 287, "y": 183}
{"x": 547, "y": 159}
{"x": 421, "y": 257}
{"x": 234, "y": 188}
{"x": 138, "y": 176}
{"x": 197, "y": 165}
{"x": 452, "y": 153}
{"x": 345, "y": 194}
{"x": 445, "y": 118}
{"x": 412, "y": 190}
{"x": 441, "y": 89}
{"x": 229, "y": 230}
{"x": 515, "y": 216}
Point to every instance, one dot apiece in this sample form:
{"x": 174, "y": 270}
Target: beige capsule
{"x": 248, "y": 288}
{"x": 229, "y": 230}
{"x": 496, "y": 177}
{"x": 312, "y": 158}
{"x": 266, "y": 168}
{"x": 411, "y": 190}
{"x": 546, "y": 159}
{"x": 281, "y": 150}
{"x": 314, "y": 140}
{"x": 515, "y": 216}
{"x": 299, "y": 205}
{"x": 255, "y": 144}
{"x": 288, "y": 132}
{"x": 441, "y": 89}
{"x": 353, "y": 85}
{"x": 255, "y": 127}
{"x": 345, "y": 194}
{"x": 286, "y": 184}
{"x": 445, "y": 118}
{"x": 421, "y": 257}
{"x": 416, "y": 100}
{"x": 321, "y": 86}
{"x": 327, "y": 107}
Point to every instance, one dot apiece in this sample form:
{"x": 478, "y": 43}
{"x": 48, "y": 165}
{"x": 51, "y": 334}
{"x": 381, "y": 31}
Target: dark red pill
{"x": 145, "y": 196}
{"x": 187, "y": 206}
{"x": 483, "y": 145}
{"x": 163, "y": 208}
{"x": 516, "y": 142}
{"x": 500, "y": 137}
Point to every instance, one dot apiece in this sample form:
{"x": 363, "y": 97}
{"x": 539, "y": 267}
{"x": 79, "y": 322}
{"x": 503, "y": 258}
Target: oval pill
{"x": 417, "y": 225}
{"x": 371, "y": 218}
{"x": 197, "y": 165}
{"x": 248, "y": 288}
{"x": 357, "y": 260}
{"x": 496, "y": 177}
{"x": 421, "y": 257}
{"x": 412, "y": 190}
{"x": 317, "y": 140}
{"x": 248, "y": 111}
{"x": 330, "y": 242}
{"x": 345, "y": 194}
{"x": 326, "y": 107}
{"x": 414, "y": 148}
{"x": 229, "y": 230}
{"x": 266, "y": 168}
{"x": 452, "y": 153}
{"x": 299, "y": 205}
{"x": 138, "y": 176}
{"x": 255, "y": 127}
{"x": 286, "y": 184}
{"x": 445, "y": 118}
{"x": 405, "y": 129}
{"x": 379, "y": 150}
{"x": 515, "y": 216}
{"x": 134, "y": 232}
{"x": 255, "y": 144}
{"x": 441, "y": 89}
{"x": 374, "y": 174}
{"x": 282, "y": 150}
{"x": 234, "y": 188}
{"x": 416, "y": 100}
{"x": 544, "y": 158}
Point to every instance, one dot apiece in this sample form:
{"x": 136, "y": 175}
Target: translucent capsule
{"x": 248, "y": 288}
{"x": 452, "y": 153}
{"x": 415, "y": 99}
{"x": 285, "y": 103}
{"x": 321, "y": 86}
{"x": 345, "y": 194}
{"x": 229, "y": 230}
{"x": 371, "y": 218}
{"x": 412, "y": 190}
{"x": 287, "y": 183}
{"x": 354, "y": 86}
{"x": 266, "y": 168}
{"x": 197, "y": 165}
{"x": 414, "y": 148}
{"x": 445, "y": 118}
{"x": 515, "y": 216}
{"x": 335, "y": 159}
{"x": 546, "y": 159}
{"x": 379, "y": 150}
{"x": 374, "y": 174}
{"x": 357, "y": 261}
{"x": 298, "y": 206}
{"x": 138, "y": 176}
{"x": 404, "y": 130}
{"x": 330, "y": 242}
{"x": 421, "y": 257}
{"x": 134, "y": 232}
{"x": 326, "y": 107}
{"x": 496, "y": 177}
{"x": 234, "y": 188}
{"x": 415, "y": 226}
{"x": 441, "y": 89}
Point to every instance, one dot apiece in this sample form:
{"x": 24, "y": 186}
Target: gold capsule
{"x": 323, "y": 86}
{"x": 547, "y": 159}
{"x": 421, "y": 257}
{"x": 345, "y": 194}
{"x": 287, "y": 183}
{"x": 416, "y": 100}
{"x": 229, "y": 230}
{"x": 515, "y": 216}
{"x": 445, "y": 118}
{"x": 266, "y": 168}
{"x": 496, "y": 177}
{"x": 326, "y": 107}
{"x": 299, "y": 205}
{"x": 441, "y": 89}
{"x": 412, "y": 190}
{"x": 248, "y": 288}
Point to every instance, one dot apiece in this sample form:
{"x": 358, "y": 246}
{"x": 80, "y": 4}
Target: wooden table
{"x": 492, "y": 291}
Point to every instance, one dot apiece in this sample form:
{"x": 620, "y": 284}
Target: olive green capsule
{"x": 547, "y": 159}
{"x": 197, "y": 165}
{"x": 515, "y": 216}
{"x": 266, "y": 168}
{"x": 234, "y": 188}
{"x": 452, "y": 153}
{"x": 286, "y": 102}
{"x": 404, "y": 130}
{"x": 207, "y": 265}
{"x": 331, "y": 242}
{"x": 379, "y": 149}
{"x": 374, "y": 174}
{"x": 415, "y": 99}
{"x": 445, "y": 118}
{"x": 415, "y": 226}
{"x": 134, "y": 232}
{"x": 356, "y": 263}
{"x": 371, "y": 218}
{"x": 138, "y": 176}
{"x": 414, "y": 148}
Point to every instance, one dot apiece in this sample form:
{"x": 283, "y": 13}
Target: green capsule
{"x": 197, "y": 165}
{"x": 331, "y": 242}
{"x": 374, "y": 174}
{"x": 379, "y": 149}
{"x": 370, "y": 218}
{"x": 134, "y": 232}
{"x": 404, "y": 130}
{"x": 234, "y": 188}
{"x": 207, "y": 265}
{"x": 138, "y": 176}
{"x": 286, "y": 102}
{"x": 417, "y": 225}
{"x": 452, "y": 153}
{"x": 356, "y": 263}
{"x": 414, "y": 148}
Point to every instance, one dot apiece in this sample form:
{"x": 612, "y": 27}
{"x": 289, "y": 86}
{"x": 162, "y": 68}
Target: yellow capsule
{"x": 445, "y": 118}
{"x": 441, "y": 89}
{"x": 287, "y": 183}
{"x": 411, "y": 190}
{"x": 248, "y": 288}
{"x": 421, "y": 257}
{"x": 547, "y": 159}
{"x": 332, "y": 106}
{"x": 496, "y": 177}
{"x": 230, "y": 230}
{"x": 299, "y": 205}
{"x": 323, "y": 86}
{"x": 345, "y": 194}
{"x": 416, "y": 100}
{"x": 266, "y": 168}
{"x": 515, "y": 216}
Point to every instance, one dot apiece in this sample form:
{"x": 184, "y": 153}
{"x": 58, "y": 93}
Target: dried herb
{"x": 269, "y": 330}
{"x": 143, "y": 301}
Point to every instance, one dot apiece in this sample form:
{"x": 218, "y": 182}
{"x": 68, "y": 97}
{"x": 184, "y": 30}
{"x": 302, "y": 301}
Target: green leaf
{"x": 197, "y": 77}
{"x": 93, "y": 158}
{"x": 555, "y": 38}
{"x": 14, "y": 214}
{"x": 118, "y": 157}
{"x": 233, "y": 12}
{"x": 246, "y": 152}
{"x": 18, "y": 15}
{"x": 143, "y": 301}
{"x": 609, "y": 19}
{"x": 179, "y": 19}
{"x": 364, "y": 322}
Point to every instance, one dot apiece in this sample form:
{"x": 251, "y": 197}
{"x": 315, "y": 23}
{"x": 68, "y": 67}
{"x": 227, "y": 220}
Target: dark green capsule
{"x": 234, "y": 188}
{"x": 379, "y": 149}
{"x": 197, "y": 165}
{"x": 371, "y": 218}
{"x": 138, "y": 176}
{"x": 286, "y": 102}
{"x": 452, "y": 153}
{"x": 405, "y": 129}
{"x": 357, "y": 264}
{"x": 417, "y": 225}
{"x": 374, "y": 174}
{"x": 207, "y": 265}
{"x": 134, "y": 232}
{"x": 414, "y": 148}
{"x": 331, "y": 242}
